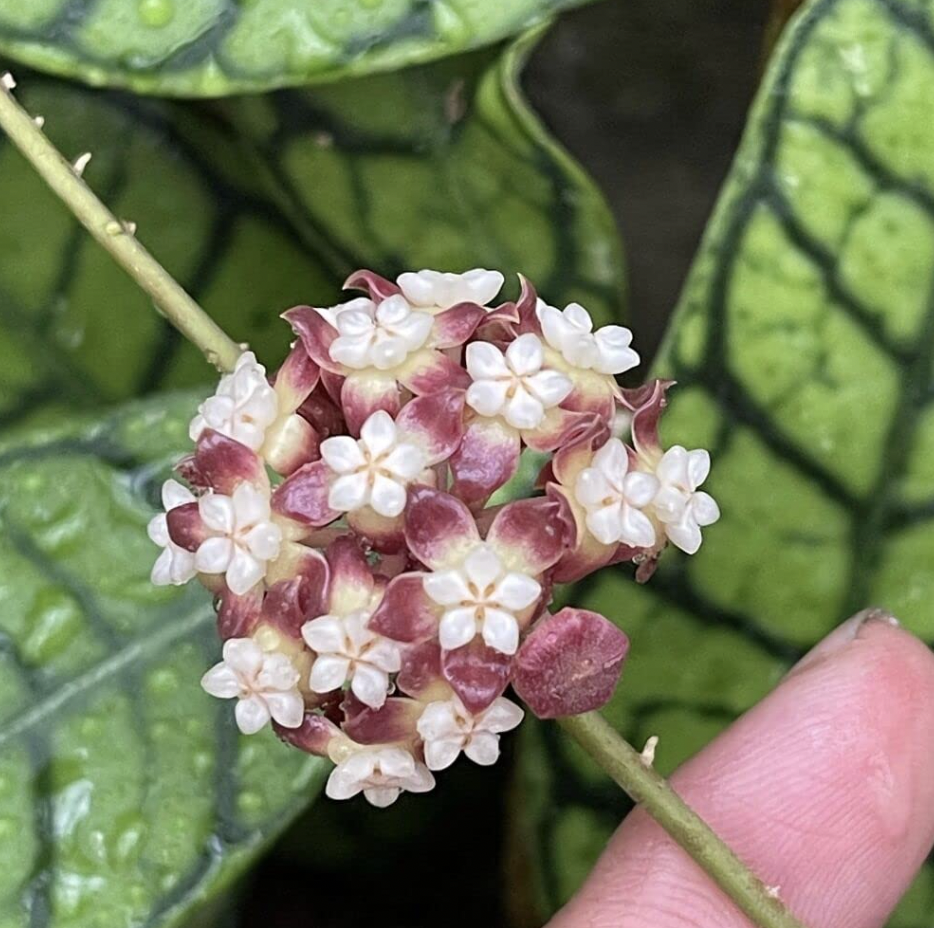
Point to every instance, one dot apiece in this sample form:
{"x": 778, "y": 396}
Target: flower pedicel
{"x": 373, "y": 608}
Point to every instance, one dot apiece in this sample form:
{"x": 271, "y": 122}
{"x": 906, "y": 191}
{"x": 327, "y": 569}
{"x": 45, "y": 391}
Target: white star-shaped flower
{"x": 678, "y": 504}
{"x": 381, "y": 774}
{"x": 437, "y": 291}
{"x": 380, "y": 336}
{"x": 175, "y": 565}
{"x": 360, "y": 304}
{"x": 614, "y": 497}
{"x": 513, "y": 384}
{"x": 447, "y": 728}
{"x": 570, "y": 332}
{"x": 243, "y": 406}
{"x": 481, "y": 596}
{"x": 265, "y": 685}
{"x": 347, "y": 650}
{"x": 243, "y": 537}
{"x": 373, "y": 471}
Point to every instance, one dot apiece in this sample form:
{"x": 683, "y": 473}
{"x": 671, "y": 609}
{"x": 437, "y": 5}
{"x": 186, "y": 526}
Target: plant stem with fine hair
{"x": 115, "y": 236}
{"x": 630, "y": 770}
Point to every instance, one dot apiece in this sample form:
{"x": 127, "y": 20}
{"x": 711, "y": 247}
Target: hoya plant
{"x": 331, "y": 470}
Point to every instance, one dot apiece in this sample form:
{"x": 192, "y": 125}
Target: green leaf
{"x": 272, "y": 202}
{"x": 804, "y": 351}
{"x": 208, "y": 48}
{"x": 127, "y": 796}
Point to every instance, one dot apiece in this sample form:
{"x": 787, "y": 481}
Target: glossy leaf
{"x": 804, "y": 351}
{"x": 272, "y": 203}
{"x": 127, "y": 796}
{"x": 214, "y": 47}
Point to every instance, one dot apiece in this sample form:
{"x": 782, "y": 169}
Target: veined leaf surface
{"x": 272, "y": 203}
{"x": 804, "y": 351}
{"x": 127, "y": 796}
{"x": 216, "y": 47}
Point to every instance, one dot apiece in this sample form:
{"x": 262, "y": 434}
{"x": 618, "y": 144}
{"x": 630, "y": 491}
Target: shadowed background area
{"x": 651, "y": 98}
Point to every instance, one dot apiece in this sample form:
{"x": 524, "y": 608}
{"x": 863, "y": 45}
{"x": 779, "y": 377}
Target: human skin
{"x": 825, "y": 789}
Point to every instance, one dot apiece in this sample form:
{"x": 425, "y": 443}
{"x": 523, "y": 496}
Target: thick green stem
{"x": 652, "y": 791}
{"x": 115, "y": 236}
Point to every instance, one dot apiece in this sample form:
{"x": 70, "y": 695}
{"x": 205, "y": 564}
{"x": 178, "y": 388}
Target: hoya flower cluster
{"x": 374, "y": 608}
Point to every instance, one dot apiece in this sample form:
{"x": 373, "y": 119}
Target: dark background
{"x": 650, "y": 96}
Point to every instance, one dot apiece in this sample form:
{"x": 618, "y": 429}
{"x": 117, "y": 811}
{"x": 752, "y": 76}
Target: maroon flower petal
{"x": 295, "y": 379}
{"x": 420, "y": 675}
{"x": 570, "y": 663}
{"x": 435, "y": 422}
{"x": 291, "y": 602}
{"x": 320, "y": 410}
{"x": 646, "y": 404}
{"x": 352, "y": 582}
{"x": 530, "y": 535}
{"x": 477, "y": 673}
{"x": 314, "y": 735}
{"x": 406, "y": 613}
{"x": 316, "y": 334}
{"x": 377, "y": 287}
{"x": 393, "y": 722}
{"x": 291, "y": 443}
{"x": 455, "y": 325}
{"x": 220, "y": 463}
{"x": 238, "y": 616}
{"x": 578, "y": 449}
{"x": 439, "y": 528}
{"x": 429, "y": 370}
{"x": 381, "y": 533}
{"x": 303, "y": 497}
{"x": 486, "y": 459}
{"x": 365, "y": 392}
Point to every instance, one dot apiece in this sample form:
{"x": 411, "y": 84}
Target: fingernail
{"x": 843, "y": 635}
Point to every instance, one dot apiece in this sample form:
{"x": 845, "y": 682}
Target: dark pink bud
{"x": 570, "y": 663}
{"x": 185, "y": 526}
{"x": 477, "y": 673}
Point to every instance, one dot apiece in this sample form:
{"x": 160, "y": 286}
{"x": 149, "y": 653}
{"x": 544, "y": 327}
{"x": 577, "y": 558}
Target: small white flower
{"x": 380, "y": 336}
{"x": 373, "y": 471}
{"x": 513, "y": 384}
{"x": 447, "y": 728}
{"x": 437, "y": 291}
{"x": 683, "y": 508}
{"x": 570, "y": 332}
{"x": 265, "y": 685}
{"x": 243, "y": 406}
{"x": 175, "y": 565}
{"x": 347, "y": 650}
{"x": 330, "y": 313}
{"x": 481, "y": 596}
{"x": 614, "y": 497}
{"x": 243, "y": 537}
{"x": 381, "y": 774}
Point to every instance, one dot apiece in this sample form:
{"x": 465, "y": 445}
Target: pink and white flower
{"x": 447, "y": 728}
{"x": 570, "y": 333}
{"x": 678, "y": 504}
{"x": 242, "y": 538}
{"x": 382, "y": 774}
{"x": 435, "y": 291}
{"x": 264, "y": 684}
{"x": 347, "y": 651}
{"x": 241, "y": 408}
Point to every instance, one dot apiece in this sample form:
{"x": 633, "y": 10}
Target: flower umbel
{"x": 375, "y": 608}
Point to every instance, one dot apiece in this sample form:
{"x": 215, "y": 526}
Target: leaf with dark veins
{"x": 127, "y": 795}
{"x": 803, "y": 347}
